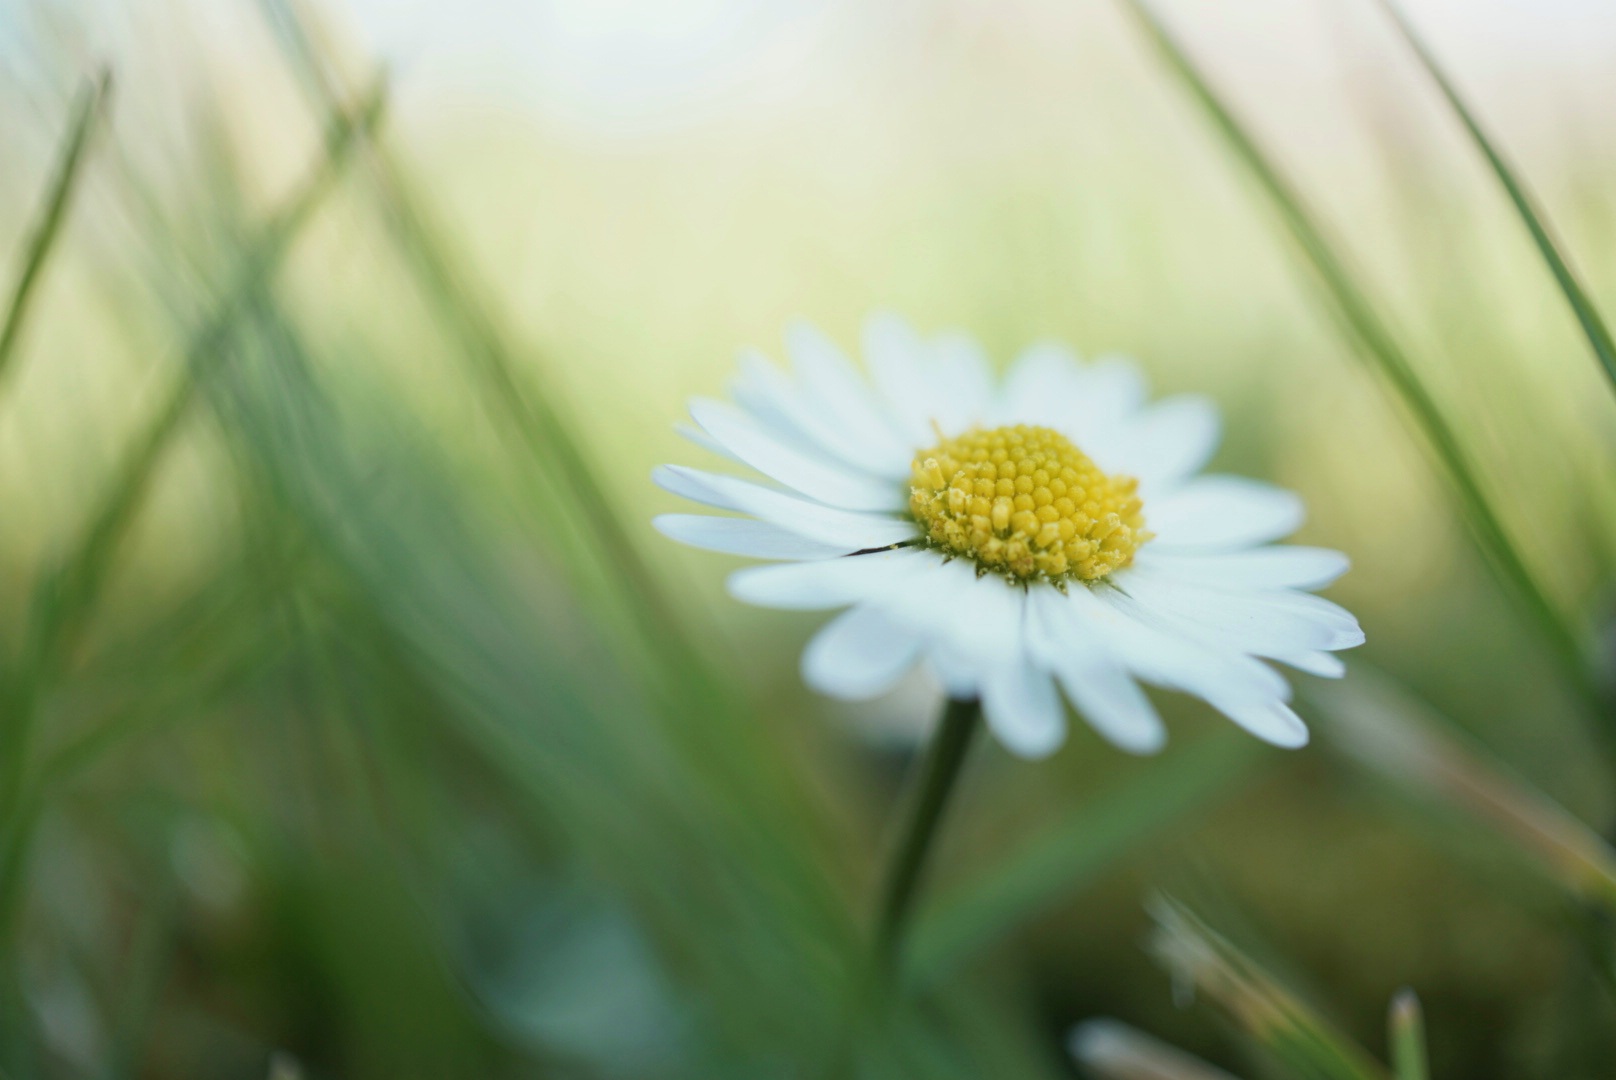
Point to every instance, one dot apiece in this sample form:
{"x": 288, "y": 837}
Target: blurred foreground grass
{"x": 353, "y": 714}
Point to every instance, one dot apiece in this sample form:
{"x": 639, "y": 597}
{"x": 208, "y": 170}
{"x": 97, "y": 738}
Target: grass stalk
{"x": 1375, "y": 341}
{"x": 91, "y": 106}
{"x": 68, "y": 594}
{"x": 1521, "y": 198}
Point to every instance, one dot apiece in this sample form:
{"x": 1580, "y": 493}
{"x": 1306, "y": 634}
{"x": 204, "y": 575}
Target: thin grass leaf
{"x": 1302, "y": 1042}
{"x": 1405, "y": 1033}
{"x": 1076, "y": 849}
{"x": 1381, "y": 727}
{"x": 1526, "y": 205}
{"x": 1359, "y": 319}
{"x": 68, "y": 594}
{"x": 91, "y": 107}
{"x": 1111, "y": 1050}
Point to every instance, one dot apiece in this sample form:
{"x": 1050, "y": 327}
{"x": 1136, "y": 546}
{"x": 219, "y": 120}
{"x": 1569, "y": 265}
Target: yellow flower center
{"x": 1026, "y": 502}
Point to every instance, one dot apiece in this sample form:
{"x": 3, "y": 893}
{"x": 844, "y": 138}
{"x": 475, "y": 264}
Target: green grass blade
{"x": 1076, "y": 849}
{"x": 72, "y": 590}
{"x": 1303, "y": 1043}
{"x": 1358, "y": 317}
{"x": 68, "y": 594}
{"x": 91, "y": 107}
{"x": 1382, "y": 728}
{"x": 1531, "y": 214}
{"x": 1405, "y": 1032}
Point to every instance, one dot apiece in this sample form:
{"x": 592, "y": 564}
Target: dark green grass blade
{"x": 91, "y": 107}
{"x": 1359, "y": 319}
{"x": 1531, "y": 214}
{"x": 1077, "y": 849}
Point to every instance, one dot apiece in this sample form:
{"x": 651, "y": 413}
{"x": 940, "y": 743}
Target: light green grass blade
{"x": 1382, "y": 728}
{"x": 1077, "y": 849}
{"x": 91, "y": 107}
{"x": 1405, "y": 1031}
{"x": 1285, "y": 1029}
{"x": 1361, "y": 322}
{"x": 1531, "y": 214}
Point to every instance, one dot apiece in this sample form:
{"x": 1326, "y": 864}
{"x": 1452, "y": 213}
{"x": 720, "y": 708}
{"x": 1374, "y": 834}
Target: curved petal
{"x": 1263, "y": 623}
{"x": 1155, "y": 653}
{"x": 830, "y": 378}
{"x": 1169, "y": 441}
{"x": 1279, "y": 567}
{"x": 897, "y": 359}
{"x": 1097, "y": 686}
{"x": 829, "y": 483}
{"x": 1218, "y": 513}
{"x": 741, "y": 536}
{"x": 775, "y": 400}
{"x": 838, "y": 528}
{"x": 859, "y": 655}
{"x": 964, "y": 384}
{"x": 1041, "y": 387}
{"x": 1023, "y": 710}
{"x": 1274, "y": 722}
{"x": 827, "y": 583}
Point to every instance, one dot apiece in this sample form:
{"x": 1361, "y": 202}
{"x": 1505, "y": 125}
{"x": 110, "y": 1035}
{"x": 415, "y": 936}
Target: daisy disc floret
{"x": 1023, "y": 501}
{"x": 1041, "y": 541}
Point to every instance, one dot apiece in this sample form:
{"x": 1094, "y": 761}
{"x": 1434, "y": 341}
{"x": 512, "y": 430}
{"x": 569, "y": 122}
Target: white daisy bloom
{"x": 1048, "y": 536}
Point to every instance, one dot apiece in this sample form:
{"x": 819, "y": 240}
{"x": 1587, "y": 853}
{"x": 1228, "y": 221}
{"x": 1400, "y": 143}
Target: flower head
{"x": 1049, "y": 535}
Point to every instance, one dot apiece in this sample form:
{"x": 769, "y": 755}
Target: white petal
{"x": 1275, "y": 722}
{"x": 1282, "y": 567}
{"x": 777, "y": 402}
{"x": 1170, "y": 440}
{"x": 831, "y": 379}
{"x": 898, "y": 362}
{"x": 1214, "y": 513}
{"x": 705, "y": 441}
{"x": 859, "y": 655}
{"x": 965, "y": 387}
{"x": 1324, "y": 665}
{"x": 839, "y": 528}
{"x": 742, "y": 536}
{"x": 1264, "y": 623}
{"x": 1023, "y": 709}
{"x": 819, "y": 478}
{"x": 1157, "y": 654}
{"x": 1102, "y": 691}
{"x": 1041, "y": 388}
{"x": 827, "y": 583}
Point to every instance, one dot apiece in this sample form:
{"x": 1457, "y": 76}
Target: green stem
{"x": 938, "y": 771}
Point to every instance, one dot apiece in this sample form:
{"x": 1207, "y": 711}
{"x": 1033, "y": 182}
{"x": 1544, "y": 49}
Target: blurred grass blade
{"x": 1405, "y": 1032}
{"x": 1302, "y": 1042}
{"x": 540, "y": 424}
{"x": 68, "y": 594}
{"x": 1531, "y": 214}
{"x": 1381, "y": 727}
{"x": 92, "y": 102}
{"x": 1358, "y": 317}
{"x": 1111, "y": 1050}
{"x": 72, "y": 589}
{"x": 1076, "y": 850}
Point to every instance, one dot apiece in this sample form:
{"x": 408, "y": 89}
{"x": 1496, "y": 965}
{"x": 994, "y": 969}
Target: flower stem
{"x": 939, "y": 769}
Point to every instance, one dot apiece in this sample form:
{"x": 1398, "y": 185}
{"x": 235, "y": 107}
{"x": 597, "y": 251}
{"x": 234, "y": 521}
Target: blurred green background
{"x": 358, "y": 724}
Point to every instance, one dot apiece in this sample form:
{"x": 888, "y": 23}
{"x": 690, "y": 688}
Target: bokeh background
{"x": 357, "y": 722}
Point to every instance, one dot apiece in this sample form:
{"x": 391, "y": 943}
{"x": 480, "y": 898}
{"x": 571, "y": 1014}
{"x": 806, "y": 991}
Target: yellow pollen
{"x": 1024, "y": 501}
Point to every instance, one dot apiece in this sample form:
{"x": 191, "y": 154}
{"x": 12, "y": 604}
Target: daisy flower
{"x": 1049, "y": 536}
